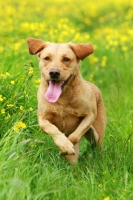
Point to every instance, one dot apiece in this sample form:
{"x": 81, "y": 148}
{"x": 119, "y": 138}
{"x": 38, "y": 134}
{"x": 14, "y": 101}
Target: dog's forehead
{"x": 54, "y": 48}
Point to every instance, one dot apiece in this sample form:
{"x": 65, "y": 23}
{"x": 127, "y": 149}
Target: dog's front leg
{"x": 73, "y": 158}
{"x": 85, "y": 124}
{"x": 62, "y": 142}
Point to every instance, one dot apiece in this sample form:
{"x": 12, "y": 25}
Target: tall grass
{"x": 30, "y": 165}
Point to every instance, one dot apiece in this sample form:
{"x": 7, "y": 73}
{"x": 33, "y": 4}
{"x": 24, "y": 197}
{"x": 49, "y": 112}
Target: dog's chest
{"x": 66, "y": 119}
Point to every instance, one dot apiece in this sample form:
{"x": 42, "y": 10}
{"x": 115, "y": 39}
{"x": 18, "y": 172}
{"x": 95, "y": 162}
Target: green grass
{"x": 30, "y": 165}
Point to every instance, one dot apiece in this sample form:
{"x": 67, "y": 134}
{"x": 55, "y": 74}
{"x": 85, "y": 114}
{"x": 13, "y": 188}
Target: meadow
{"x": 30, "y": 165}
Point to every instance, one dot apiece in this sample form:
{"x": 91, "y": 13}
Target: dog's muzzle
{"x": 54, "y": 74}
{"x": 55, "y": 86}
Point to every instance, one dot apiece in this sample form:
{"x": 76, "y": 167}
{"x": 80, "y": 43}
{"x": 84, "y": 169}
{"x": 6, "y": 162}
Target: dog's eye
{"x": 47, "y": 58}
{"x": 65, "y": 59}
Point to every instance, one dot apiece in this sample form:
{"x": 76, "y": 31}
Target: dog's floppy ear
{"x": 35, "y": 45}
{"x": 82, "y": 50}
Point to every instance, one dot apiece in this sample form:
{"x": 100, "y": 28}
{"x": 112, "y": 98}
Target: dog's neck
{"x": 70, "y": 89}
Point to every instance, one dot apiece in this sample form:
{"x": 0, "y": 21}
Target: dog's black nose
{"x": 54, "y": 73}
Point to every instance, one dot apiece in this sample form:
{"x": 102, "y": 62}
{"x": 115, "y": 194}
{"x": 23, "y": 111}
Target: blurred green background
{"x": 30, "y": 165}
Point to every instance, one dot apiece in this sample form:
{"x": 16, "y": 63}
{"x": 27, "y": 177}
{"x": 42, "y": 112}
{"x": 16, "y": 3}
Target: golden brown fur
{"x": 79, "y": 110}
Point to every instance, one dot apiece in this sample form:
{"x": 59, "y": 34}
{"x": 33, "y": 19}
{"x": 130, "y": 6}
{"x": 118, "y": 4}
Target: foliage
{"x": 30, "y": 166}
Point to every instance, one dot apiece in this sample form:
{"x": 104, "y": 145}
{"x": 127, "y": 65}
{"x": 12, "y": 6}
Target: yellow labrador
{"x": 68, "y": 106}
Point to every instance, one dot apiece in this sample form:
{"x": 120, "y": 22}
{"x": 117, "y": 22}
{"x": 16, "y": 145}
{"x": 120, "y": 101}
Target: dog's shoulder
{"x": 97, "y": 92}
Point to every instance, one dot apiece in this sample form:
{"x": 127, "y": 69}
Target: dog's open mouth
{"x": 54, "y": 90}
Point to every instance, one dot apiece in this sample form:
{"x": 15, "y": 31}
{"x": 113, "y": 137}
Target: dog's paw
{"x": 64, "y": 145}
{"x": 73, "y": 138}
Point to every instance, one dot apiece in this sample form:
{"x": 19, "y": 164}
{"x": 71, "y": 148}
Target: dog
{"x": 68, "y": 106}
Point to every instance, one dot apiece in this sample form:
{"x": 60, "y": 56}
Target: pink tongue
{"x": 54, "y": 91}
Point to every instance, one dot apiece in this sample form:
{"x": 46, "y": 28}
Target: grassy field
{"x": 30, "y": 165}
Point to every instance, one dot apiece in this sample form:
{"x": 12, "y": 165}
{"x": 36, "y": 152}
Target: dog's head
{"x": 59, "y": 63}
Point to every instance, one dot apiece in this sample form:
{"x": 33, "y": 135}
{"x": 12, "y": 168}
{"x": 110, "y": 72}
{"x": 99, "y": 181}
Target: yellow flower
{"x": 3, "y": 111}
{"x": 17, "y": 45}
{"x": 124, "y": 48}
{"x": 9, "y": 105}
{"x": 100, "y": 81}
{"x": 91, "y": 77}
{"x": 31, "y": 70}
{"x": 95, "y": 59}
{"x": 104, "y": 172}
{"x": 107, "y": 198}
{"x": 104, "y": 59}
{"x": 124, "y": 38}
{"x": 21, "y": 108}
{"x": 31, "y": 144}
{"x": 1, "y": 48}
{"x": 30, "y": 108}
{"x": 1, "y": 98}
{"x": 12, "y": 82}
{"x": 99, "y": 185}
{"x": 19, "y": 125}
{"x": 37, "y": 81}
{"x": 7, "y": 74}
